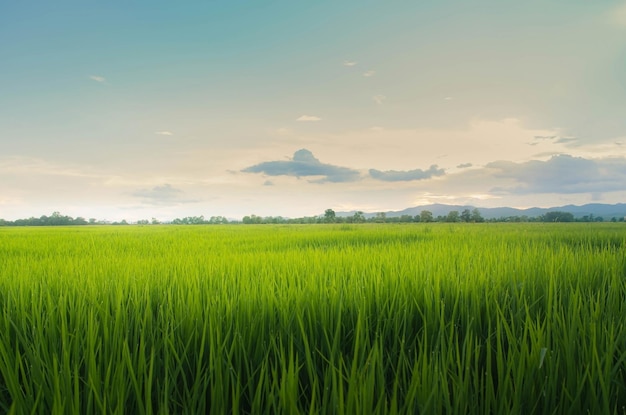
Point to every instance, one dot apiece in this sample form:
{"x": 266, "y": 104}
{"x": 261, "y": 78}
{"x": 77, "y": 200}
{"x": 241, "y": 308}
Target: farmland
{"x": 347, "y": 319}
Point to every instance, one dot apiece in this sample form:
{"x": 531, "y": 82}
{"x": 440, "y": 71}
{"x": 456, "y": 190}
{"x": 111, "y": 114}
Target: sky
{"x": 133, "y": 110}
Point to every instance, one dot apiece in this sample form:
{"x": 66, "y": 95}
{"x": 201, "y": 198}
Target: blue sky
{"x": 158, "y": 109}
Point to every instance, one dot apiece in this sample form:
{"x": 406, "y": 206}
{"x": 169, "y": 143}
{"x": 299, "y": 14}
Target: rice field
{"x": 328, "y": 319}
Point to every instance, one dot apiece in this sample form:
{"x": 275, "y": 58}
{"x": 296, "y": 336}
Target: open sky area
{"x": 131, "y": 110}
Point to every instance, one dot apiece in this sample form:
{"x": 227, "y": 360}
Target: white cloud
{"x": 460, "y": 198}
{"x": 369, "y": 73}
{"x": 164, "y": 133}
{"x": 448, "y": 98}
{"x": 379, "y": 98}
{"x": 308, "y": 118}
{"x": 349, "y": 63}
{"x": 97, "y": 78}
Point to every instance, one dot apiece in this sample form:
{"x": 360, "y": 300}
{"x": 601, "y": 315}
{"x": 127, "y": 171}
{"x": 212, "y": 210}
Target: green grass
{"x": 362, "y": 319}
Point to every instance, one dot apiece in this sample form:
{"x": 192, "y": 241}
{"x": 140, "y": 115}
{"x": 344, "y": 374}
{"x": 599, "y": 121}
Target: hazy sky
{"x": 159, "y": 109}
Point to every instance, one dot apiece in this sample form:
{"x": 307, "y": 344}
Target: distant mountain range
{"x": 596, "y": 209}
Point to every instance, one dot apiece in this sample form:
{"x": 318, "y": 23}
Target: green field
{"x": 360, "y": 319}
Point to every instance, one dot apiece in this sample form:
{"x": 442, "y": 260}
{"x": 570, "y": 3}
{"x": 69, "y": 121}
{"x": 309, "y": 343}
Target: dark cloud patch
{"x": 545, "y": 137}
{"x": 464, "y": 165}
{"x": 404, "y": 176}
{"x": 304, "y": 164}
{"x": 562, "y": 174}
{"x": 165, "y": 195}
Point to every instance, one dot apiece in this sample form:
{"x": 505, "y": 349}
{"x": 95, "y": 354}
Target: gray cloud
{"x": 403, "y": 176}
{"x": 562, "y": 174}
{"x": 162, "y": 195}
{"x": 464, "y": 165}
{"x": 304, "y": 164}
{"x": 563, "y": 140}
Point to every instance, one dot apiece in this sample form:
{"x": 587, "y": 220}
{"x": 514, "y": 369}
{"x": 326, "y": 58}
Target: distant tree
{"x": 381, "y": 217}
{"x": 406, "y": 218}
{"x": 558, "y": 216}
{"x": 426, "y": 216}
{"x": 358, "y": 217}
{"x": 466, "y": 215}
{"x": 476, "y": 216}
{"x": 329, "y": 216}
{"x": 79, "y": 221}
{"x": 55, "y": 220}
{"x": 453, "y": 216}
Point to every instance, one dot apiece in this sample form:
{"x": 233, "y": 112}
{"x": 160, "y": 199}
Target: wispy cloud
{"x": 369, "y": 73}
{"x": 566, "y": 140}
{"x": 464, "y": 165}
{"x": 379, "y": 99}
{"x": 165, "y": 195}
{"x": 448, "y": 99}
{"x": 165, "y": 132}
{"x": 97, "y": 78}
{"x": 349, "y": 63}
{"x": 405, "y": 176}
{"x": 304, "y": 164}
{"x": 308, "y": 118}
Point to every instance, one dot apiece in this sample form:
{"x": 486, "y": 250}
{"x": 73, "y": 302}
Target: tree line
{"x": 329, "y": 216}
{"x": 56, "y": 219}
{"x": 425, "y": 216}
